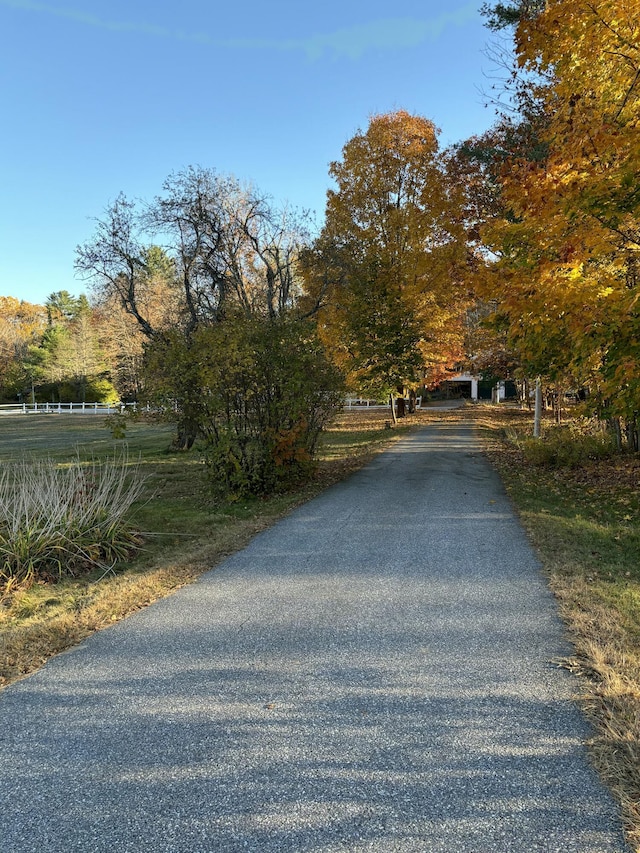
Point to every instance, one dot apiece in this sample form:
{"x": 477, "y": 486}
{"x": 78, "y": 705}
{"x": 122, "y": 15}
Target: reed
{"x": 57, "y": 520}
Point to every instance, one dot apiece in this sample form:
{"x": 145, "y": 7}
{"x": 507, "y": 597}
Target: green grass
{"x": 58, "y": 435}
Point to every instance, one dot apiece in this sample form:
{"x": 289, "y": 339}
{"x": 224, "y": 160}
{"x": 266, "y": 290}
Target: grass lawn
{"x": 59, "y": 434}
{"x": 184, "y": 531}
{"x": 584, "y": 522}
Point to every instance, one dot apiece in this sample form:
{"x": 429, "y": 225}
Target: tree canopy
{"x": 385, "y": 260}
{"x": 567, "y": 239}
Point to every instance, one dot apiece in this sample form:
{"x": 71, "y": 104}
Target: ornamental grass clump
{"x": 57, "y": 520}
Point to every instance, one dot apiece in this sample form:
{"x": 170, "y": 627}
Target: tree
{"x": 21, "y": 325}
{"x": 502, "y": 254}
{"x": 62, "y": 307}
{"x": 225, "y": 257}
{"x": 86, "y": 360}
{"x": 227, "y": 248}
{"x": 502, "y": 15}
{"x": 120, "y": 336}
{"x": 122, "y": 342}
{"x": 385, "y": 262}
{"x": 569, "y": 248}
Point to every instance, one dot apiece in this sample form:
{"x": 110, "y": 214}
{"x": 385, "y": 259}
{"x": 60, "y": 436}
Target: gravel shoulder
{"x": 376, "y": 672}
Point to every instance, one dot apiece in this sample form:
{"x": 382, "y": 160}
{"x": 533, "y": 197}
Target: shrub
{"x": 58, "y": 520}
{"x": 259, "y": 392}
{"x": 270, "y": 392}
{"x": 568, "y": 446}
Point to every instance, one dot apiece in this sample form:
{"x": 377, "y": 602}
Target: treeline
{"x": 66, "y": 350}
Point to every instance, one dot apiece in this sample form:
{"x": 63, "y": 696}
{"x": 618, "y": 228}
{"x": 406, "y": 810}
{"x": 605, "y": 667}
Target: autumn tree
{"x": 500, "y": 252}
{"x": 569, "y": 248}
{"x": 385, "y": 260}
{"x": 21, "y": 326}
{"x": 210, "y": 261}
{"x": 121, "y": 337}
{"x": 89, "y": 369}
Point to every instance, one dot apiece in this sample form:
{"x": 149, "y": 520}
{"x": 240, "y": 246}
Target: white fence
{"x": 112, "y": 408}
{"x": 357, "y": 403}
{"x": 64, "y": 408}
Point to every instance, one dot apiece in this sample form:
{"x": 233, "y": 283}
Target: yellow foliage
{"x": 388, "y": 255}
{"x": 573, "y": 239}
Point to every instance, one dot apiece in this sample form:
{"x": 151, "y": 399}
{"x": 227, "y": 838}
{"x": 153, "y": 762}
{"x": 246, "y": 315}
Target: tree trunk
{"x": 558, "y": 401}
{"x": 186, "y": 435}
{"x": 412, "y": 401}
{"x": 392, "y": 404}
{"x": 631, "y": 431}
{"x": 614, "y": 426}
{"x": 538, "y": 410}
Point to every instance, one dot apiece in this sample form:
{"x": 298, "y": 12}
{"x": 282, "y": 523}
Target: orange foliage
{"x": 569, "y": 250}
{"x": 387, "y": 256}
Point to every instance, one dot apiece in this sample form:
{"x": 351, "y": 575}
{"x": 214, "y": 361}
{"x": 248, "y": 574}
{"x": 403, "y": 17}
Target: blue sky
{"x": 103, "y": 96}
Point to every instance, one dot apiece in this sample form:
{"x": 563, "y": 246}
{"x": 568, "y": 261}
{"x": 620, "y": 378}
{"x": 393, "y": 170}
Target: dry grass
{"x": 57, "y": 520}
{"x": 34, "y": 627}
{"x": 584, "y": 523}
{"x": 608, "y": 658}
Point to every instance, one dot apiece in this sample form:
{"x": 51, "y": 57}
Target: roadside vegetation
{"x": 579, "y": 501}
{"x": 65, "y": 520}
{"x": 179, "y": 527}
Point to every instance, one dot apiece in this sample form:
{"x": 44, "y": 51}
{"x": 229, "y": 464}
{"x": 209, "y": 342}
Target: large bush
{"x": 259, "y": 391}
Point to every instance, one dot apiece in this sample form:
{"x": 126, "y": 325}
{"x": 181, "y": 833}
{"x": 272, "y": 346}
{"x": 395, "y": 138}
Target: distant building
{"x": 470, "y": 387}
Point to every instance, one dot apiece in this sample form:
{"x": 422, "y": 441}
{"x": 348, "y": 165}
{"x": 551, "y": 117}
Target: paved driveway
{"x": 374, "y": 673}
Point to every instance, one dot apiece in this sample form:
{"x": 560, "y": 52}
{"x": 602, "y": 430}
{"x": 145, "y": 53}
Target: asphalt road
{"x": 374, "y": 673}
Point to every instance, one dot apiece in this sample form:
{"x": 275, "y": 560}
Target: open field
{"x": 53, "y": 435}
